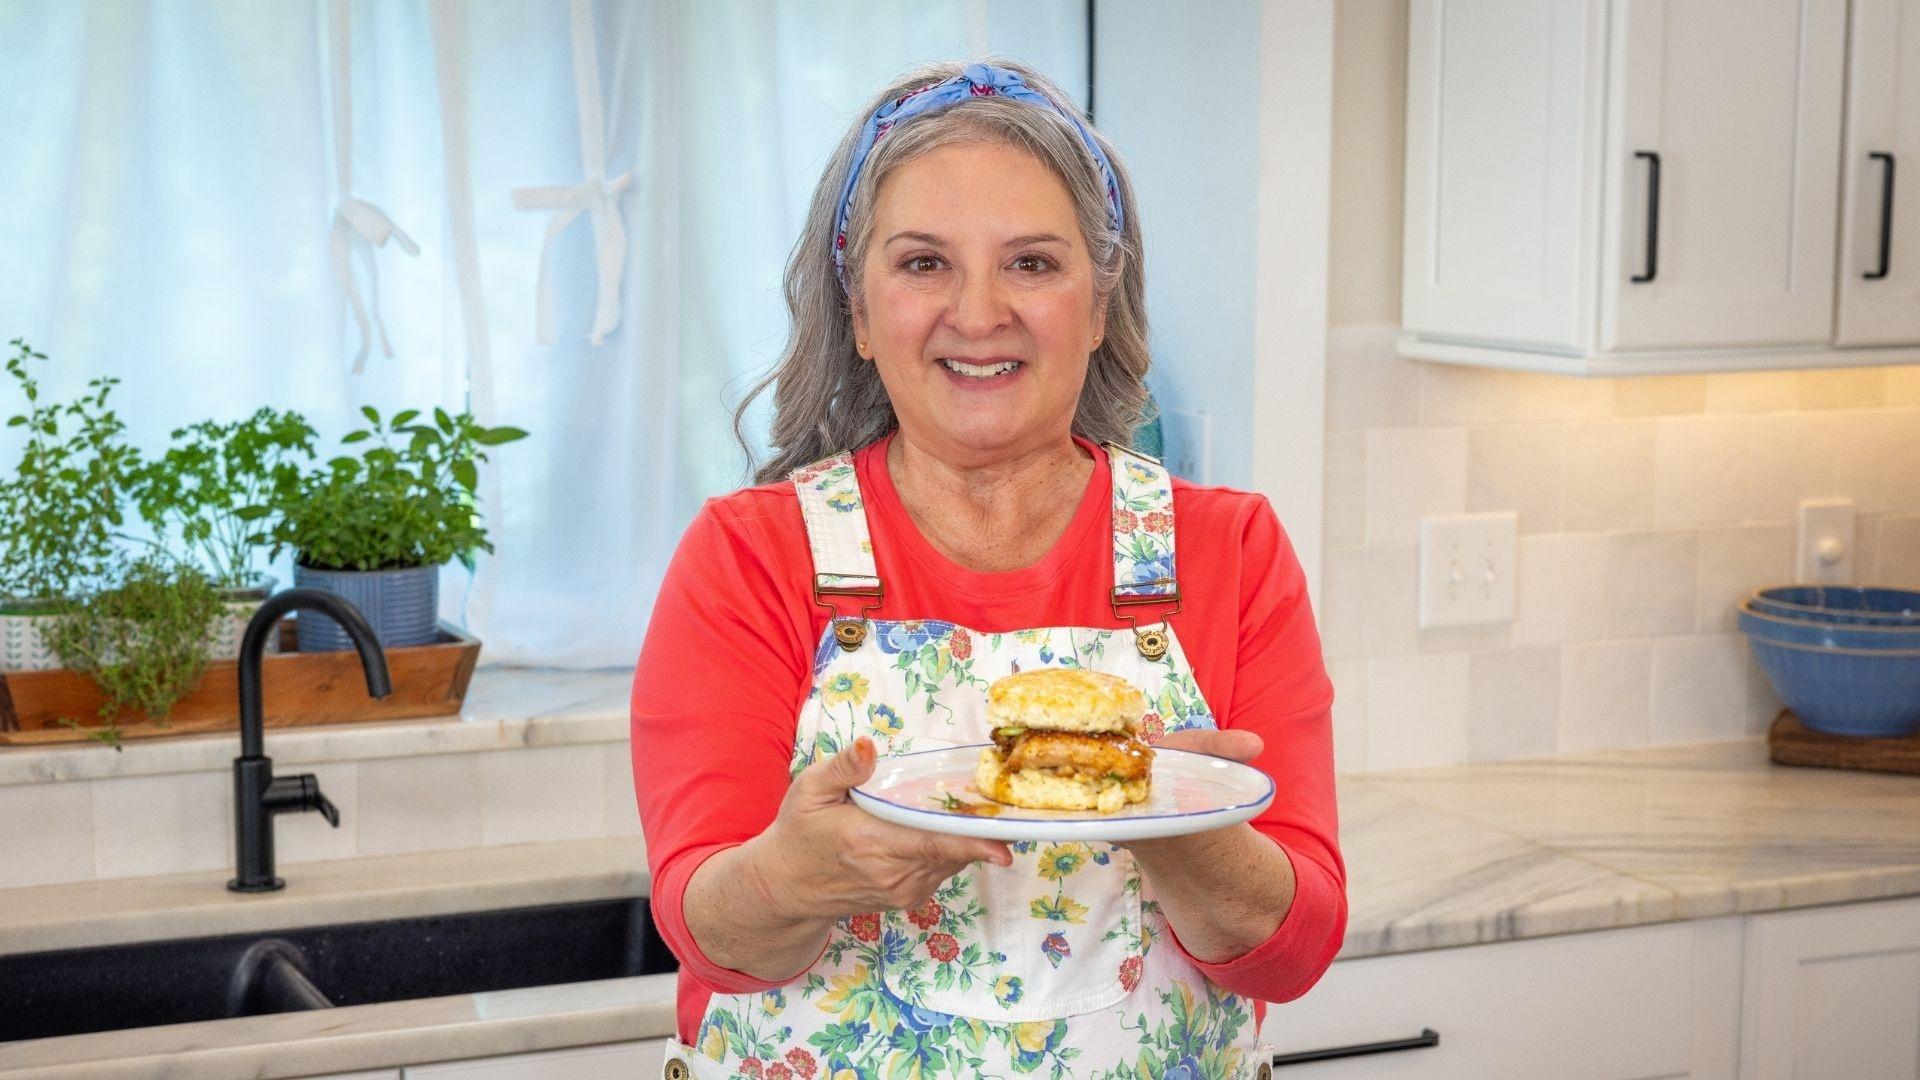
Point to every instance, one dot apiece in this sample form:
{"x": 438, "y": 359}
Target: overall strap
{"x": 840, "y": 542}
{"x": 1143, "y": 566}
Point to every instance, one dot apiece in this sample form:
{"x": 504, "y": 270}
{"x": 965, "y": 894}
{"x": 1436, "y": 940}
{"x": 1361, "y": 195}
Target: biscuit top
{"x": 1065, "y": 699}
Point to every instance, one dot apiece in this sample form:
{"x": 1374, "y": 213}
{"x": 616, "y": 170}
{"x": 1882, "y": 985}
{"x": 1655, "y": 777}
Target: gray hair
{"x": 826, "y": 398}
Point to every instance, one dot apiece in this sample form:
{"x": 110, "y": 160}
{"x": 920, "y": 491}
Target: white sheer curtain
{"x": 166, "y": 192}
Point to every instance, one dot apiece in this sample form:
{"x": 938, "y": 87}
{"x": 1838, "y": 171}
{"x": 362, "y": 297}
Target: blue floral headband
{"x": 978, "y": 80}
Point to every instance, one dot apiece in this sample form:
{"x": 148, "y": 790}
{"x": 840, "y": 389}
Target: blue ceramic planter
{"x": 402, "y": 606}
{"x": 1844, "y": 680}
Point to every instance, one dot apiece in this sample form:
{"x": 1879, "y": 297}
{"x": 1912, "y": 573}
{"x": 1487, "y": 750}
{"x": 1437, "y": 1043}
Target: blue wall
{"x": 1191, "y": 146}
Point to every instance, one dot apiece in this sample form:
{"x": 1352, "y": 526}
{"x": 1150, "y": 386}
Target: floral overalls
{"x": 1056, "y": 966}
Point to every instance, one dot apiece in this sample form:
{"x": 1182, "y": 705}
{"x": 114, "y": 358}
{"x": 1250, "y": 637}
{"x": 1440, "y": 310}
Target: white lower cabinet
{"x": 608, "y": 1061}
{"x": 1635, "y": 1004}
{"x": 1830, "y": 993}
{"x": 1833, "y": 992}
{"x": 1827, "y": 993}
{"x": 370, "y": 1074}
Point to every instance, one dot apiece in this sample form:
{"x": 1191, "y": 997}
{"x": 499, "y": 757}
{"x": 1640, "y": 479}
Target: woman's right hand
{"x": 824, "y": 857}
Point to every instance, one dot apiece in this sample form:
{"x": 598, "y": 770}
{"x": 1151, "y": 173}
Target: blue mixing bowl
{"x": 1844, "y": 680}
{"x": 1850, "y": 604}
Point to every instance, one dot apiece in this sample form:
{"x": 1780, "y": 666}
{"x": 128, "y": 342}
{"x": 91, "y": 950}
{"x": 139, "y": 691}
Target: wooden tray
{"x": 297, "y": 689}
{"x": 1790, "y": 743}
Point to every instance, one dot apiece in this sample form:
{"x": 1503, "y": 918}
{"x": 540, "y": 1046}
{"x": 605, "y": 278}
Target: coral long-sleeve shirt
{"x": 728, "y": 662}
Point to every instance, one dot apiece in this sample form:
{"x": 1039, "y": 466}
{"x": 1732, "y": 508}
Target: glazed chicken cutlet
{"x": 1065, "y": 739}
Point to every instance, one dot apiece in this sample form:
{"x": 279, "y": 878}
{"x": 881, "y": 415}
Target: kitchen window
{"x": 171, "y": 185}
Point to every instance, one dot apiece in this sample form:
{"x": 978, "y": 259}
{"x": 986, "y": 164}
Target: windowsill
{"x": 506, "y": 707}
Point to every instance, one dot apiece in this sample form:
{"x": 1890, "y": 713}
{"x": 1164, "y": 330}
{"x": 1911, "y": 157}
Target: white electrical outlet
{"x": 1826, "y": 543}
{"x": 1188, "y": 450}
{"x": 1467, "y": 568}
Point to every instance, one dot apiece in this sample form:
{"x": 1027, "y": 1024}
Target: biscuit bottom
{"x": 1039, "y": 789}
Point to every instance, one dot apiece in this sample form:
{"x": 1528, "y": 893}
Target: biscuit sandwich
{"x": 1065, "y": 739}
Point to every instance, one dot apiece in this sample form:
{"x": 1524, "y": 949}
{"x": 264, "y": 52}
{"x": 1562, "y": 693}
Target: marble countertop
{"x": 46, "y": 917}
{"x": 330, "y": 1041}
{"x": 1436, "y": 858}
{"x": 112, "y": 911}
{"x": 1468, "y": 854}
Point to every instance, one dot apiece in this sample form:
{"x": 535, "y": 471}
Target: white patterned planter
{"x": 23, "y": 645}
{"x": 230, "y": 627}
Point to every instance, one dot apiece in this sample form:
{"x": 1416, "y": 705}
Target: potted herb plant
{"x": 58, "y": 511}
{"x": 142, "y": 638}
{"x": 376, "y": 528}
{"x": 211, "y": 492}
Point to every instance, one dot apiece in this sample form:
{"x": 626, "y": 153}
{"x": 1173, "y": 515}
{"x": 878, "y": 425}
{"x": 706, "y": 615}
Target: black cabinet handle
{"x": 1653, "y": 215}
{"x": 1427, "y": 1037}
{"x": 1886, "y": 217}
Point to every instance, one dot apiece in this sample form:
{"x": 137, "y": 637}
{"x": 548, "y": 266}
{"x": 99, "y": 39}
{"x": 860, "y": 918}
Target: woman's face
{"x": 980, "y": 310}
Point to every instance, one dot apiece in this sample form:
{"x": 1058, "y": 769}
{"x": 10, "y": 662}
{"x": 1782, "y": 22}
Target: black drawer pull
{"x": 1427, "y": 1037}
{"x": 1653, "y": 215}
{"x": 1886, "y": 217}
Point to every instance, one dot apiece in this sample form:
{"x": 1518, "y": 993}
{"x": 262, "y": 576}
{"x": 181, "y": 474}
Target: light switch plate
{"x": 1187, "y": 451}
{"x": 1825, "y": 552}
{"x": 1467, "y": 564}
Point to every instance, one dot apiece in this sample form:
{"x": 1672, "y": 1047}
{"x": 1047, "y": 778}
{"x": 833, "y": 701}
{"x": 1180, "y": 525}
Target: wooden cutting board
{"x": 1790, "y": 743}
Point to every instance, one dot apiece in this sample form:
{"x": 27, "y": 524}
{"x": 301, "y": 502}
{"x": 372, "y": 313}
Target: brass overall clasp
{"x": 849, "y": 631}
{"x": 1153, "y": 641}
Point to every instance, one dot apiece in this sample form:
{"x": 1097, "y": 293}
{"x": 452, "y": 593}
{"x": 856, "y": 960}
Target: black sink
{"x": 74, "y": 991}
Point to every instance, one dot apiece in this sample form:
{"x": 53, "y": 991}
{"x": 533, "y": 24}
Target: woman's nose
{"x": 979, "y": 307}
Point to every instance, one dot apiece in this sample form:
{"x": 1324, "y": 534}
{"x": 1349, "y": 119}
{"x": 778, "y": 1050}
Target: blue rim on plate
{"x": 1227, "y": 792}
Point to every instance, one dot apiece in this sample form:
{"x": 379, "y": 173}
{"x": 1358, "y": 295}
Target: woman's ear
{"x": 859, "y": 328}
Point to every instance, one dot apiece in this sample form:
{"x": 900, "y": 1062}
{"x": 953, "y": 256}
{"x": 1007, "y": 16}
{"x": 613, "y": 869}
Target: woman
{"x": 968, "y": 331}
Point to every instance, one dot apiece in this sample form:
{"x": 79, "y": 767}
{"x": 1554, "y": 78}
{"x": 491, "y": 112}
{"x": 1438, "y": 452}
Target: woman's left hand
{"x": 1224, "y": 891}
{"x": 1241, "y": 746}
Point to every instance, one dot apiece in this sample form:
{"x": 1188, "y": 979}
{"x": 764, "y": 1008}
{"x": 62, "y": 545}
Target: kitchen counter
{"x": 1436, "y": 857}
{"x": 78, "y": 915}
{"x": 1478, "y": 853}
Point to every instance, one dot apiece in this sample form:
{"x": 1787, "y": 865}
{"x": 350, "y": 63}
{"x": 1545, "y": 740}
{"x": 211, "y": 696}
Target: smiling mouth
{"x": 980, "y": 371}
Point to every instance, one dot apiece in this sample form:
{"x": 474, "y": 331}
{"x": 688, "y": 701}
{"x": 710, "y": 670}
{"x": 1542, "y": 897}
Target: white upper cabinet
{"x": 1721, "y": 187}
{"x": 1650, "y": 186}
{"x": 1494, "y": 208}
{"x": 1879, "y": 293}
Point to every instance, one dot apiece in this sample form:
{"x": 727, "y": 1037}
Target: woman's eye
{"x": 1027, "y": 264}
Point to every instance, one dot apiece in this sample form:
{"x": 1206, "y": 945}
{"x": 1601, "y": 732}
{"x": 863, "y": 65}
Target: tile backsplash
{"x": 178, "y": 822}
{"x": 1648, "y": 508}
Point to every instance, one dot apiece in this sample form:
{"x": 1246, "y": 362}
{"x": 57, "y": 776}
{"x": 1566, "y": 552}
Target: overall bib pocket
{"x": 1054, "y": 935}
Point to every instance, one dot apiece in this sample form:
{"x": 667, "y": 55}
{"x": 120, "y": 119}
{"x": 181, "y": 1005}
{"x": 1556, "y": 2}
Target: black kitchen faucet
{"x": 257, "y": 793}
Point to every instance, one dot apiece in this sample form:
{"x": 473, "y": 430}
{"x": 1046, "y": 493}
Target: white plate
{"x": 1191, "y": 793}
